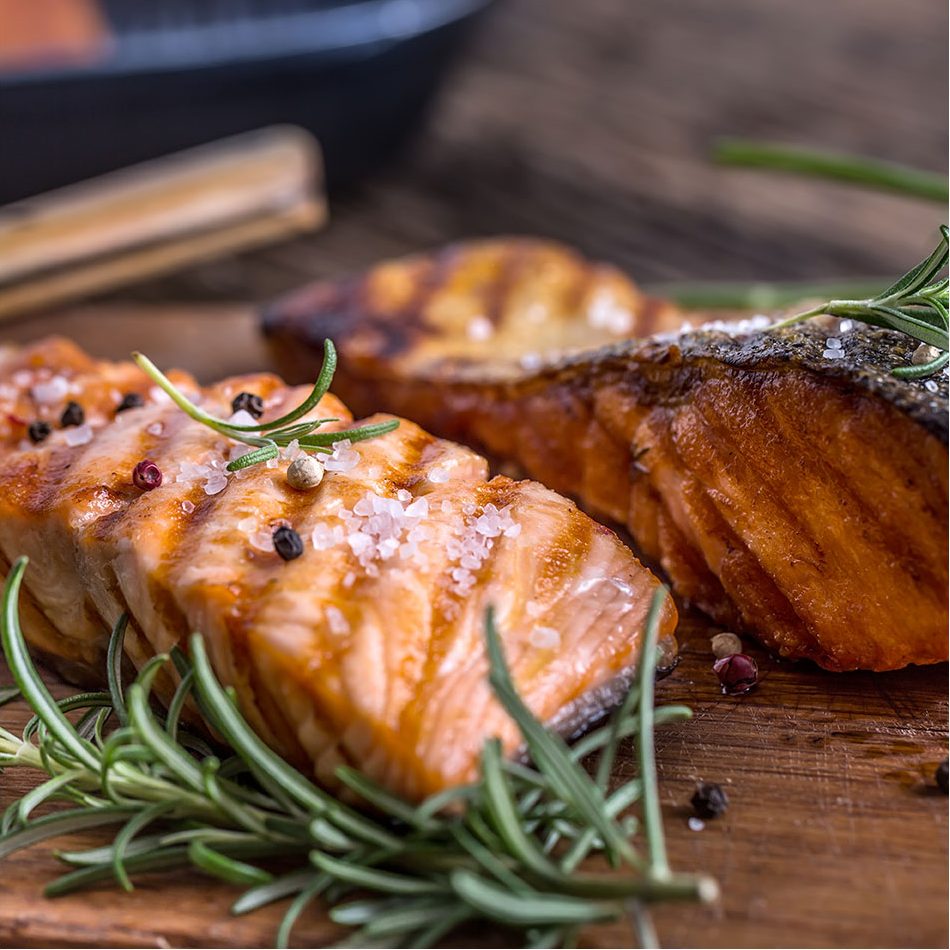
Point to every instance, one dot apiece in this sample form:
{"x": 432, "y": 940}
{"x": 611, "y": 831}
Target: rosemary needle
{"x": 405, "y": 875}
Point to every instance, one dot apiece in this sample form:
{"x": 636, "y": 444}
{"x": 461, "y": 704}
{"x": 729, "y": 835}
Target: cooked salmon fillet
{"x": 785, "y": 481}
{"x": 365, "y": 650}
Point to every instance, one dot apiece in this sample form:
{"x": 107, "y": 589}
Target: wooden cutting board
{"x": 835, "y": 836}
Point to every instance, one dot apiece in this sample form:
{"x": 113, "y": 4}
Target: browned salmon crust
{"x": 368, "y": 648}
{"x": 795, "y": 496}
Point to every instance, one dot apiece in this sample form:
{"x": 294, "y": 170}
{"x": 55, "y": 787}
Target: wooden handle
{"x": 134, "y": 223}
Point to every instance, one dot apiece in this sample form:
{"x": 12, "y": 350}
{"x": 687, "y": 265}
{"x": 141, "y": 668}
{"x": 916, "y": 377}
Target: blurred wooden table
{"x": 591, "y": 122}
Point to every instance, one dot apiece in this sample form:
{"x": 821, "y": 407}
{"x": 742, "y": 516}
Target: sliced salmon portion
{"x": 785, "y": 481}
{"x": 368, "y": 649}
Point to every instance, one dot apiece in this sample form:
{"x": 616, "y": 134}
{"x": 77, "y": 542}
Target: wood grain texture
{"x": 590, "y": 122}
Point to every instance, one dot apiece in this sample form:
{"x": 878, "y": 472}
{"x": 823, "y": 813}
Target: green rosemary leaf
{"x": 489, "y": 860}
{"x": 160, "y": 859}
{"x": 26, "y": 677}
{"x": 854, "y": 169}
{"x": 49, "y": 789}
{"x": 322, "y": 440}
{"x": 178, "y": 701}
{"x": 504, "y": 814}
{"x": 925, "y": 369}
{"x": 227, "y": 869}
{"x": 652, "y": 817}
{"x": 544, "y": 910}
{"x": 373, "y": 879}
{"x": 319, "y": 884}
{"x": 433, "y": 934}
{"x": 124, "y": 838}
{"x": 377, "y": 796}
{"x": 61, "y": 823}
{"x": 273, "y": 890}
{"x": 114, "y": 667}
{"x": 254, "y": 457}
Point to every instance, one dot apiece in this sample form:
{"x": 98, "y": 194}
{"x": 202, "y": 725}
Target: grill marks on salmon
{"x": 355, "y": 652}
{"x": 795, "y": 497}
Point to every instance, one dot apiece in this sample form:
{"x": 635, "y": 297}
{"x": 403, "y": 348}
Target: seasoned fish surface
{"x": 365, "y": 650}
{"x": 793, "y": 494}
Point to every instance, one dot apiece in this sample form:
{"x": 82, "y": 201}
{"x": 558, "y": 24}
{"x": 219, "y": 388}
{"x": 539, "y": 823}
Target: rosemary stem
{"x": 854, "y": 169}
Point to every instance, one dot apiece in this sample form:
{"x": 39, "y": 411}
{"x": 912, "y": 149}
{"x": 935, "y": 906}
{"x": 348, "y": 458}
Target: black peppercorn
{"x": 38, "y": 431}
{"x": 73, "y": 415}
{"x": 709, "y": 800}
{"x": 287, "y": 543}
{"x": 249, "y": 403}
{"x": 130, "y": 401}
{"x": 941, "y": 775}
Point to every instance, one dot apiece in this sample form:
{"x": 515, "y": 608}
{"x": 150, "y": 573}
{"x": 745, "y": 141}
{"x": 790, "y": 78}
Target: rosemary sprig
{"x": 916, "y": 304}
{"x": 856, "y": 169}
{"x": 503, "y": 849}
{"x": 266, "y": 437}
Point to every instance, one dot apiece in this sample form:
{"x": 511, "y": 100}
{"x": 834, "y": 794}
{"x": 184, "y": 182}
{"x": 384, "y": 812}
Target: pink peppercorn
{"x": 737, "y": 673}
{"x": 146, "y": 475}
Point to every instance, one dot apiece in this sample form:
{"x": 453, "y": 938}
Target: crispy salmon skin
{"x": 785, "y": 481}
{"x": 368, "y": 649}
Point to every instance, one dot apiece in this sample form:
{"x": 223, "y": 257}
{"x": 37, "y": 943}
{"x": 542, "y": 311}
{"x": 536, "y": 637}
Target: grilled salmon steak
{"x": 366, "y": 649}
{"x": 785, "y": 481}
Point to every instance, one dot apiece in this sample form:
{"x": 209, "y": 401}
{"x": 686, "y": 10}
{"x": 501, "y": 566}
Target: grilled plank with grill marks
{"x": 365, "y": 650}
{"x": 799, "y": 497}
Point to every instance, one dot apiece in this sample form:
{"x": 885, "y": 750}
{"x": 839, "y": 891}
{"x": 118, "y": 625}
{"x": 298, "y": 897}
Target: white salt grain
{"x": 337, "y": 623}
{"x": 242, "y": 418}
{"x": 79, "y": 435}
{"x": 262, "y": 540}
{"x": 187, "y": 506}
{"x": 156, "y": 428}
{"x": 480, "y": 328}
{"x": 833, "y": 343}
{"x": 833, "y": 354}
{"x": 215, "y": 483}
{"x": 696, "y": 824}
{"x": 438, "y": 476}
{"x": 52, "y": 392}
{"x": 931, "y": 386}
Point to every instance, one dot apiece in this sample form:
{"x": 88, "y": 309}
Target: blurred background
{"x": 589, "y": 122}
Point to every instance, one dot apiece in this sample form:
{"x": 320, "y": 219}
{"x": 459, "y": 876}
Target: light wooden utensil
{"x": 205, "y": 202}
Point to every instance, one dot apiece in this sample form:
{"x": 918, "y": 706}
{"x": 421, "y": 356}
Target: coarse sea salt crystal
{"x": 156, "y": 428}
{"x": 262, "y": 540}
{"x": 833, "y": 354}
{"x": 931, "y": 386}
{"x": 247, "y": 525}
{"x": 833, "y": 343}
{"x": 696, "y": 824}
{"x": 241, "y": 418}
{"x": 343, "y": 459}
{"x": 845, "y": 326}
{"x": 215, "y": 483}
{"x": 545, "y": 638}
{"x": 187, "y": 506}
{"x": 338, "y": 624}
{"x": 438, "y": 476}
{"x": 291, "y": 452}
{"x": 51, "y": 392}
{"x": 403, "y": 495}
{"x": 79, "y": 435}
